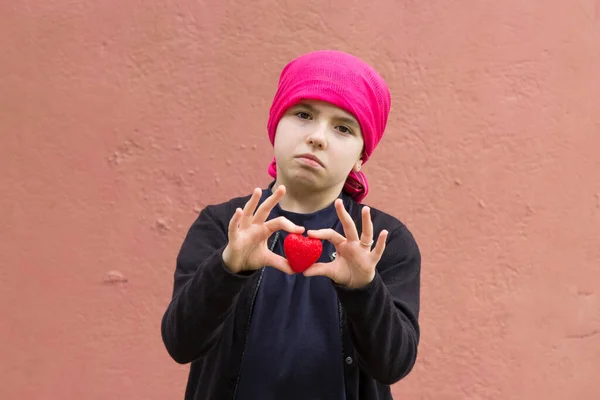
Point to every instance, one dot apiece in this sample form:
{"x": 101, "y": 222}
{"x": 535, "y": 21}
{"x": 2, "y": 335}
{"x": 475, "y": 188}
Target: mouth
{"x": 310, "y": 159}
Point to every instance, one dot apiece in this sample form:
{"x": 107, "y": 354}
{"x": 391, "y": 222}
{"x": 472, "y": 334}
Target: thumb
{"x": 278, "y": 262}
{"x": 320, "y": 269}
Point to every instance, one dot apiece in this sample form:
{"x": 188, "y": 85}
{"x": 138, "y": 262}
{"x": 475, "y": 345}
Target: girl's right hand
{"x": 247, "y": 249}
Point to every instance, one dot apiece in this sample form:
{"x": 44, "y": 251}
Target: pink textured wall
{"x": 120, "y": 120}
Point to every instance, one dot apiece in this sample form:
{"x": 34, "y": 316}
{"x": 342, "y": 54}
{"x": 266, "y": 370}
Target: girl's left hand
{"x": 355, "y": 262}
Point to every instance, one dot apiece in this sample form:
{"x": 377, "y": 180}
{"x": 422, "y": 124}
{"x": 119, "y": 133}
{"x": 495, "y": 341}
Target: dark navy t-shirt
{"x": 293, "y": 349}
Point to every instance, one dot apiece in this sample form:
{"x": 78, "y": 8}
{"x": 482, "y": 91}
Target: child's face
{"x": 324, "y": 131}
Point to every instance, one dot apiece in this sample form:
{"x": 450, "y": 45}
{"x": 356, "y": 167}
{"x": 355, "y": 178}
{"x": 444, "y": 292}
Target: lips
{"x": 311, "y": 157}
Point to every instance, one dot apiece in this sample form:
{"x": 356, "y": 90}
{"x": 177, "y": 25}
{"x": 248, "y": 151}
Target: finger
{"x": 380, "y": 246}
{"x": 346, "y": 220}
{"x": 249, "y": 208}
{"x": 367, "y": 226}
{"x": 327, "y": 234}
{"x": 282, "y": 223}
{"x": 278, "y": 262}
{"x": 320, "y": 269}
{"x": 234, "y": 224}
{"x": 265, "y": 208}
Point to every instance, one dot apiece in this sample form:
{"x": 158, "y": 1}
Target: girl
{"x": 345, "y": 328}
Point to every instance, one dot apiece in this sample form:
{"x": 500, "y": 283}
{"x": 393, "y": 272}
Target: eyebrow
{"x": 349, "y": 121}
{"x": 346, "y": 120}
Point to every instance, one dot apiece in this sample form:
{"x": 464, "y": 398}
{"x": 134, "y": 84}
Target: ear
{"x": 357, "y": 165}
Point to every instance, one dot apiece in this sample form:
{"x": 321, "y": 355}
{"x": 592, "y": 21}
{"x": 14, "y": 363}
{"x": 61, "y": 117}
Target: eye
{"x": 344, "y": 129}
{"x": 303, "y": 115}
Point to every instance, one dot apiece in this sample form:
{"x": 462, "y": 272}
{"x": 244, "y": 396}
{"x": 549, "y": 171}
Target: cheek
{"x": 279, "y": 133}
{"x": 282, "y": 145}
{"x": 287, "y": 134}
{"x": 348, "y": 149}
{"x": 277, "y": 146}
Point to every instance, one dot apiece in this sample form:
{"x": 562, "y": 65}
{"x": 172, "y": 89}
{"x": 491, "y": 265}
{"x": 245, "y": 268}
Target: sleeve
{"x": 383, "y": 316}
{"x": 204, "y": 292}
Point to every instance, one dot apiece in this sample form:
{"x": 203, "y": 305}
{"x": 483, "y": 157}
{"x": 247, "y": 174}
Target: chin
{"x": 305, "y": 181}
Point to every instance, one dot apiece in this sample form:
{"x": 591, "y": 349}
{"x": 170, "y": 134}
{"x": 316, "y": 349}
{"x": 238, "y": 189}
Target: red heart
{"x": 301, "y": 251}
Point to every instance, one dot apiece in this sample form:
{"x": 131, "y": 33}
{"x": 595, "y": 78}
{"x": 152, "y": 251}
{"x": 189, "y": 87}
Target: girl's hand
{"x": 355, "y": 262}
{"x": 247, "y": 249}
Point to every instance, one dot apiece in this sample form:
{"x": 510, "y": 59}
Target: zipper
{"x": 341, "y": 312}
{"x": 341, "y": 321}
{"x": 254, "y": 294}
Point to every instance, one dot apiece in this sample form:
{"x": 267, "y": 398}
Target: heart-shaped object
{"x": 301, "y": 251}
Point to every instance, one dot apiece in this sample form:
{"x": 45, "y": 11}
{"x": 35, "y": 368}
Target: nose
{"x": 317, "y": 137}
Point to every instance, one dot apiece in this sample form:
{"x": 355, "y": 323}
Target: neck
{"x": 303, "y": 201}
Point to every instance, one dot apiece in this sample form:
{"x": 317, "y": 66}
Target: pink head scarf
{"x": 344, "y": 81}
